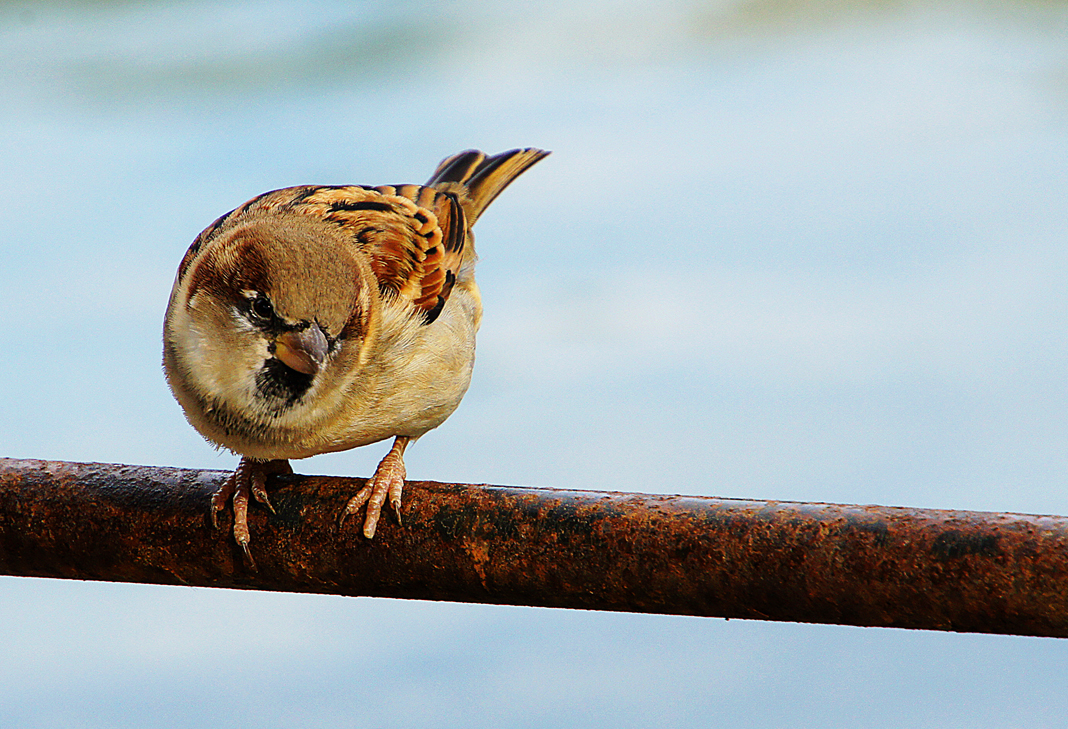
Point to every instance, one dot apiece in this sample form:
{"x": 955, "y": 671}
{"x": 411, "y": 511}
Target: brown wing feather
{"x": 416, "y": 236}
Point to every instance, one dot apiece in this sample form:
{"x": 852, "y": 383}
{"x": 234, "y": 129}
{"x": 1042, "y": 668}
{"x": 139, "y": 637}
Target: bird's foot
{"x": 249, "y": 479}
{"x": 388, "y": 481}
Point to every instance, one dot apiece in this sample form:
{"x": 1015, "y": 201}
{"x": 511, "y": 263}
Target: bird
{"x": 320, "y": 318}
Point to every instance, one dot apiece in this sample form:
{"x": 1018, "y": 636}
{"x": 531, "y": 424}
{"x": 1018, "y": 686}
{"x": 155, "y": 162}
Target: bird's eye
{"x": 261, "y": 308}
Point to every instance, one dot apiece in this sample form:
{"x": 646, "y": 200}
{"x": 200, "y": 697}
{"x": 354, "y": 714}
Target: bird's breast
{"x": 413, "y": 379}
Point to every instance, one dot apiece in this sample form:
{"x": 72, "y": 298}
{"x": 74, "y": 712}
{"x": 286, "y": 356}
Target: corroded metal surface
{"x": 818, "y": 563}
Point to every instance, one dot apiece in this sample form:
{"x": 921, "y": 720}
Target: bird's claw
{"x": 250, "y": 478}
{"x": 388, "y": 482}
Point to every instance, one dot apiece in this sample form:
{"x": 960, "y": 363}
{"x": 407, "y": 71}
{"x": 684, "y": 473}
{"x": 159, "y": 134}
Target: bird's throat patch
{"x": 280, "y": 386}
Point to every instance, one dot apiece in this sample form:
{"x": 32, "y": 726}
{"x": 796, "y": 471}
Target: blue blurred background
{"x": 805, "y": 249}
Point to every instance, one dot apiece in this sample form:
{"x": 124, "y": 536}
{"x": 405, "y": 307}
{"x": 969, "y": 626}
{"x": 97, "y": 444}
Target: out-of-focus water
{"x": 811, "y": 251}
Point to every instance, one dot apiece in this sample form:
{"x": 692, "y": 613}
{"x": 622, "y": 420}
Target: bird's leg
{"x": 387, "y": 481}
{"x": 249, "y": 478}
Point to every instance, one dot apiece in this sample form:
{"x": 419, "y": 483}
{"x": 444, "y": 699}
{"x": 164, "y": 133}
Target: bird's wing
{"x": 416, "y": 236}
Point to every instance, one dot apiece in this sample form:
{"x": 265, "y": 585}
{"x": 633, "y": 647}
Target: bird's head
{"x": 264, "y": 316}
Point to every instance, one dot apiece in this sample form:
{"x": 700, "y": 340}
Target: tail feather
{"x": 457, "y": 168}
{"x": 480, "y": 179}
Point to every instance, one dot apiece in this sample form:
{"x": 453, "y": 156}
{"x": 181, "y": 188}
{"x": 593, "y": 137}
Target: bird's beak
{"x": 303, "y": 351}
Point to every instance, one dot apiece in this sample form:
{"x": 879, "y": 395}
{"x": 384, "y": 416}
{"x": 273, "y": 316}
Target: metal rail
{"x": 766, "y": 560}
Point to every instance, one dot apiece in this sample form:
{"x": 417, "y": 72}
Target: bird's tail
{"x": 480, "y": 179}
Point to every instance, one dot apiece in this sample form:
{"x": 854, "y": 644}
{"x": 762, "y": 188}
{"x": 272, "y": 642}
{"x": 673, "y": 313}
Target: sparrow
{"x": 320, "y": 318}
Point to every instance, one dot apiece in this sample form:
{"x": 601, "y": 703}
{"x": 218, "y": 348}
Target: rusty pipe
{"x": 816, "y": 563}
